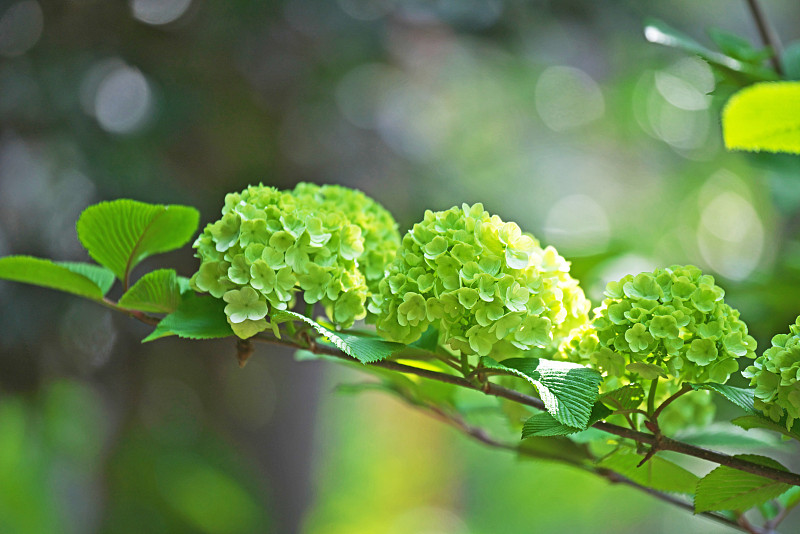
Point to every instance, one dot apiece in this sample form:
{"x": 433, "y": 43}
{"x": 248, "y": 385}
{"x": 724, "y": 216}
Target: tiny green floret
{"x": 487, "y": 287}
{"x": 672, "y": 319}
{"x": 328, "y": 242}
{"x": 776, "y": 376}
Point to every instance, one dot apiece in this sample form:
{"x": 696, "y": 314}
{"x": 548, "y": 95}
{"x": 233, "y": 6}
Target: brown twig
{"x": 768, "y": 34}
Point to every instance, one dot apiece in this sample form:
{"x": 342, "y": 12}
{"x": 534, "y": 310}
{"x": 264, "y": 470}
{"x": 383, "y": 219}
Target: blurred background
{"x": 556, "y": 115}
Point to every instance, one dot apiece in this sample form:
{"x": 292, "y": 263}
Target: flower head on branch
{"x": 776, "y": 375}
{"x": 487, "y": 286}
{"x": 671, "y": 322}
{"x": 329, "y": 242}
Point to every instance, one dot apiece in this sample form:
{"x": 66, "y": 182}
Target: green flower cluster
{"x": 776, "y": 375}
{"x": 271, "y": 244}
{"x": 671, "y": 322}
{"x": 488, "y": 287}
{"x": 378, "y": 227}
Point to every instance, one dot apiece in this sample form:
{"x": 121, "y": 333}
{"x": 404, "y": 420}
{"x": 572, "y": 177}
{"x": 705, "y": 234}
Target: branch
{"x": 662, "y": 442}
{"x": 483, "y": 437}
{"x": 768, "y": 34}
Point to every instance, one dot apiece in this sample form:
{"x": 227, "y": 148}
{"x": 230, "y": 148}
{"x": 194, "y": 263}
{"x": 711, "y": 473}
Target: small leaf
{"x": 764, "y": 116}
{"x": 545, "y": 425}
{"x": 121, "y": 233}
{"x": 157, "y": 291}
{"x": 726, "y": 488}
{"x": 656, "y": 473}
{"x": 45, "y": 273}
{"x": 737, "y": 47}
{"x": 648, "y": 371}
{"x": 97, "y": 274}
{"x": 741, "y": 397}
{"x": 791, "y": 61}
{"x": 196, "y": 318}
{"x": 364, "y": 349}
{"x": 625, "y": 398}
{"x": 758, "y": 421}
{"x": 659, "y": 32}
{"x": 568, "y": 390}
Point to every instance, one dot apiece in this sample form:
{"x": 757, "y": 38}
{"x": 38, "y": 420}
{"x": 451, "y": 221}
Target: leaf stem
{"x": 651, "y": 397}
{"x": 685, "y": 388}
{"x": 768, "y": 34}
{"x": 465, "y": 370}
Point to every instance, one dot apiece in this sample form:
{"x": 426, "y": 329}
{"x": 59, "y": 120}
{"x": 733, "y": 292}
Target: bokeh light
{"x": 21, "y": 25}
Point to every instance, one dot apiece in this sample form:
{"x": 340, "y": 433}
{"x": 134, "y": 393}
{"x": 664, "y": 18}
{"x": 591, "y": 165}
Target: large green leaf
{"x": 741, "y": 397}
{"x": 157, "y": 291}
{"x": 196, "y": 318}
{"x": 364, "y": 349}
{"x": 567, "y": 389}
{"x": 656, "y": 473}
{"x": 658, "y": 32}
{"x": 97, "y": 274}
{"x": 764, "y": 116}
{"x": 121, "y": 233}
{"x": 46, "y": 273}
{"x": 545, "y": 425}
{"x": 726, "y": 488}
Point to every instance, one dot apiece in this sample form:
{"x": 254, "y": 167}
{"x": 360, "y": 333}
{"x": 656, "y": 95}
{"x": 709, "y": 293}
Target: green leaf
{"x": 568, "y": 390}
{"x": 545, "y": 425}
{"x": 764, "y": 116}
{"x": 625, "y": 398}
{"x": 659, "y": 32}
{"x": 648, "y": 371}
{"x": 656, "y": 473}
{"x": 741, "y": 397}
{"x": 791, "y": 61}
{"x": 737, "y": 47}
{"x": 97, "y": 274}
{"x": 121, "y": 233}
{"x": 157, "y": 291}
{"x": 364, "y": 349}
{"x": 196, "y": 318}
{"x": 726, "y": 488}
{"x": 722, "y": 435}
{"x": 758, "y": 421}
{"x": 45, "y": 273}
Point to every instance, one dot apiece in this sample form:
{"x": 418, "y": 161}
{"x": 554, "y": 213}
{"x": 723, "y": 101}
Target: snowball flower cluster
{"x": 270, "y": 244}
{"x": 488, "y": 287}
{"x": 671, "y": 322}
{"x": 776, "y": 375}
{"x": 378, "y": 227}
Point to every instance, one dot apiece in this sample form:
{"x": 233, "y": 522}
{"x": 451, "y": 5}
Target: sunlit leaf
{"x": 121, "y": 233}
{"x": 726, "y": 488}
{"x": 46, "y": 273}
{"x": 568, "y": 390}
{"x": 741, "y": 397}
{"x": 545, "y": 425}
{"x": 157, "y": 291}
{"x": 97, "y": 274}
{"x": 764, "y": 116}
{"x": 364, "y": 349}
